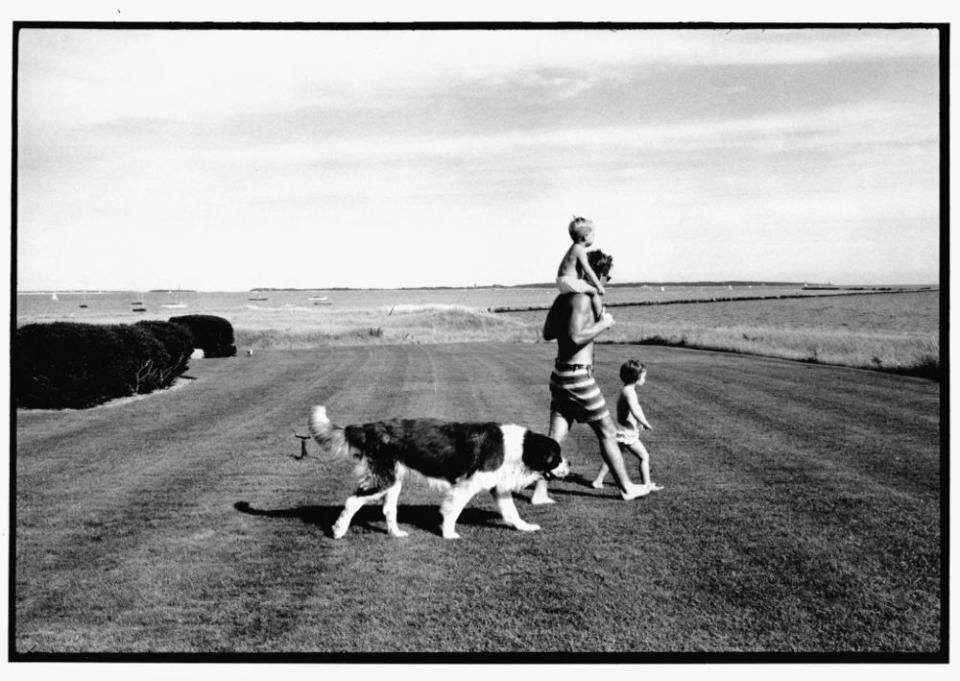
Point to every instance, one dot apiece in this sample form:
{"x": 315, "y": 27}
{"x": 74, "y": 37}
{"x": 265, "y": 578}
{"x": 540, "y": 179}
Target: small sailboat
{"x": 54, "y": 296}
{"x": 318, "y": 298}
{"x": 178, "y": 305}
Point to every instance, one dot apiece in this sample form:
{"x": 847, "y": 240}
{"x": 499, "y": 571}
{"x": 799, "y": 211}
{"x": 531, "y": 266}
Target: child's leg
{"x": 601, "y": 474}
{"x": 638, "y": 450}
{"x": 604, "y": 469}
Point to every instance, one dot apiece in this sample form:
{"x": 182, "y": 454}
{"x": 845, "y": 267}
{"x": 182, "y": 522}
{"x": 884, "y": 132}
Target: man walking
{"x": 575, "y": 395}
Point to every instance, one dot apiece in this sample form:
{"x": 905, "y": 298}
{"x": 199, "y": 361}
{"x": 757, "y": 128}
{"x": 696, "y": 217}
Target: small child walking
{"x": 575, "y": 274}
{"x": 630, "y": 421}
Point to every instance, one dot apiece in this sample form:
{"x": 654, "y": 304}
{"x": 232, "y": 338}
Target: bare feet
{"x": 654, "y": 487}
{"x": 540, "y": 494}
{"x": 525, "y": 526}
{"x": 634, "y": 492}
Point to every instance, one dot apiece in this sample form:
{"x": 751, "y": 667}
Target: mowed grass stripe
{"x": 833, "y": 411}
{"x": 811, "y": 629}
{"x": 731, "y": 556}
{"x": 805, "y": 500}
{"x": 384, "y": 574}
{"x": 290, "y": 516}
{"x": 138, "y": 443}
{"x": 132, "y": 490}
{"x": 283, "y": 517}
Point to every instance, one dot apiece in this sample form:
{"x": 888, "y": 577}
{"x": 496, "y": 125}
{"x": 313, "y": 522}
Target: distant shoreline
{"x": 666, "y": 284}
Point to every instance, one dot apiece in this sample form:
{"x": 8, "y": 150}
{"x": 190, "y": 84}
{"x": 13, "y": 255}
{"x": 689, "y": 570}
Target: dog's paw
{"x": 339, "y": 532}
{"x": 399, "y": 533}
{"x": 541, "y": 500}
{"x": 526, "y": 527}
{"x": 451, "y": 535}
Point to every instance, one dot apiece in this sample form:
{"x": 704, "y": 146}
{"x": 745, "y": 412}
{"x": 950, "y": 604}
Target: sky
{"x": 229, "y": 159}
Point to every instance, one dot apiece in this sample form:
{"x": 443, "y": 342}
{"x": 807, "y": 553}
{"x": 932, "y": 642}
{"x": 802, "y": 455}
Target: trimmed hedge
{"x": 176, "y": 339}
{"x": 67, "y": 364}
{"x": 213, "y": 335}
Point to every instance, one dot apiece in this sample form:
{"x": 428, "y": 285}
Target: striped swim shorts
{"x": 575, "y": 394}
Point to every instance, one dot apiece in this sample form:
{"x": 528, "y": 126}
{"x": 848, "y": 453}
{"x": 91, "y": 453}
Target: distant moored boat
{"x": 173, "y": 306}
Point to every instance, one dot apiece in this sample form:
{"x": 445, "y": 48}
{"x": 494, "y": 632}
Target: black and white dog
{"x": 463, "y": 458}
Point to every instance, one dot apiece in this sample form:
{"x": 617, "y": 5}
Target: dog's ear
{"x": 540, "y": 453}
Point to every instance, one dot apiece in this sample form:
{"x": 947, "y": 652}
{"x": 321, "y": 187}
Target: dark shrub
{"x": 66, "y": 364}
{"x": 144, "y": 359}
{"x": 213, "y": 335}
{"x": 177, "y": 341}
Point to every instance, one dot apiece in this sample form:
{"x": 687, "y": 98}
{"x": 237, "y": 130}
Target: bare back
{"x": 570, "y": 321}
{"x": 625, "y": 417}
{"x": 569, "y": 265}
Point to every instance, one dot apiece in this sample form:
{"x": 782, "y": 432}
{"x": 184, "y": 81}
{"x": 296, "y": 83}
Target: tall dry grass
{"x": 914, "y": 353}
{"x": 917, "y": 354}
{"x": 397, "y": 324}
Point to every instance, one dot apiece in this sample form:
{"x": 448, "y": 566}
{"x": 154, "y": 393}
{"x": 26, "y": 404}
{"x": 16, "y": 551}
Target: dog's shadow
{"x": 370, "y": 517}
{"x": 566, "y": 487}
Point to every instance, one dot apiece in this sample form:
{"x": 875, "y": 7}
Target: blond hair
{"x": 579, "y": 228}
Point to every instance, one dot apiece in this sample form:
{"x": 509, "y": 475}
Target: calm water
{"x": 70, "y": 305}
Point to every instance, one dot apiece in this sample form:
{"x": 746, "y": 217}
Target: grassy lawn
{"x": 801, "y": 513}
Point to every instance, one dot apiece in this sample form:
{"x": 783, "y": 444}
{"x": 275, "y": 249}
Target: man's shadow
{"x": 370, "y": 517}
{"x": 568, "y": 487}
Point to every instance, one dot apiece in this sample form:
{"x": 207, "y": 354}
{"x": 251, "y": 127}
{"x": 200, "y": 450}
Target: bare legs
{"x": 638, "y": 450}
{"x": 609, "y": 450}
{"x": 559, "y": 427}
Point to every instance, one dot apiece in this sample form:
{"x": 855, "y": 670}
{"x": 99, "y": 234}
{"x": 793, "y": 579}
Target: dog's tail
{"x": 329, "y": 436}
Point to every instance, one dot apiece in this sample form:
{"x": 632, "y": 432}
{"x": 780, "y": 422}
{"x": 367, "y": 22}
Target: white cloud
{"x": 105, "y": 75}
{"x": 129, "y": 163}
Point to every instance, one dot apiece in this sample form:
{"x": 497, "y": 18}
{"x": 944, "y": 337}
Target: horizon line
{"x": 704, "y": 282}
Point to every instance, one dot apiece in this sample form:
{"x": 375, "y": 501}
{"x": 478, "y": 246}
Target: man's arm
{"x": 581, "y": 326}
{"x": 588, "y": 272}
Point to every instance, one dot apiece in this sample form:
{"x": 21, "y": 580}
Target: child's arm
{"x": 636, "y": 410}
{"x": 588, "y": 272}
